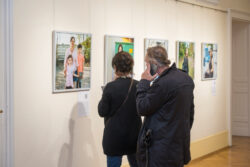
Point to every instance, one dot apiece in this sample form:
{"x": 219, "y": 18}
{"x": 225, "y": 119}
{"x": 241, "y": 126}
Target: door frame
{"x": 8, "y": 115}
{"x": 245, "y": 17}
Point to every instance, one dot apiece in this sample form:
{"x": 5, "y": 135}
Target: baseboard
{"x": 209, "y": 144}
{"x": 206, "y": 145}
{"x": 126, "y": 165}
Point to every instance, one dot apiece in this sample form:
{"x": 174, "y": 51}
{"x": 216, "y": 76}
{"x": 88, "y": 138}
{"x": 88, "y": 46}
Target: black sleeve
{"x": 148, "y": 98}
{"x": 192, "y": 113}
{"x": 104, "y": 104}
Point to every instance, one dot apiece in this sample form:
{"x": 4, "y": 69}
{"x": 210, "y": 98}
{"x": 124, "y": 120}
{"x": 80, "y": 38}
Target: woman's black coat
{"x": 122, "y": 125}
{"x": 169, "y": 112}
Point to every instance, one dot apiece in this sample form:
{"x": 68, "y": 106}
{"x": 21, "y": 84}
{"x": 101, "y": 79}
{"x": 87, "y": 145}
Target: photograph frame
{"x": 105, "y": 80}
{"x": 177, "y": 54}
{"x": 202, "y": 61}
{"x": 54, "y": 90}
{"x": 145, "y": 50}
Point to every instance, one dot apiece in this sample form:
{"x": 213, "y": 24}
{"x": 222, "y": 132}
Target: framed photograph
{"x": 71, "y": 61}
{"x": 209, "y": 61}
{"x": 113, "y": 45}
{"x": 154, "y": 42}
{"x": 186, "y": 57}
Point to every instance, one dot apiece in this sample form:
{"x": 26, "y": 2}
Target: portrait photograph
{"x": 154, "y": 42}
{"x": 113, "y": 45}
{"x": 186, "y": 57}
{"x": 209, "y": 61}
{"x": 71, "y": 61}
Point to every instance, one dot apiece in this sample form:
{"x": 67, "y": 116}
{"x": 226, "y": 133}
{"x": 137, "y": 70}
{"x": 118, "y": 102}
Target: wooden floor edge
{"x": 217, "y": 141}
{"x": 207, "y": 155}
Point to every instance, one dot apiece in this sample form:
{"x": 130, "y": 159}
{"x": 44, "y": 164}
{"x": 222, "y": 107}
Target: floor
{"x": 236, "y": 156}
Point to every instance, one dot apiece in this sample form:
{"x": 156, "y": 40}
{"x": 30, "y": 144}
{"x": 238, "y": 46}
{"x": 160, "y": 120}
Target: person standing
{"x": 210, "y": 71}
{"x": 73, "y": 52}
{"x": 165, "y": 98}
{"x": 70, "y": 73}
{"x": 185, "y": 66}
{"x": 118, "y": 107}
{"x": 80, "y": 69}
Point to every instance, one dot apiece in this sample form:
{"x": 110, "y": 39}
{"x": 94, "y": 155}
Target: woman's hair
{"x": 120, "y": 46}
{"x": 123, "y": 63}
{"x": 159, "y": 54}
{"x": 72, "y": 38}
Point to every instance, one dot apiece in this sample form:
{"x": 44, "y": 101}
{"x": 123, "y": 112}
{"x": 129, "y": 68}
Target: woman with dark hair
{"x": 118, "y": 107}
{"x": 120, "y": 48}
{"x": 72, "y": 50}
{"x": 185, "y": 62}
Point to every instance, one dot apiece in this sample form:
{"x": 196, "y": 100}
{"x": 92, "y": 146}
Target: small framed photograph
{"x": 113, "y": 45}
{"x": 186, "y": 57}
{"x": 209, "y": 61}
{"x": 71, "y": 61}
{"x": 154, "y": 42}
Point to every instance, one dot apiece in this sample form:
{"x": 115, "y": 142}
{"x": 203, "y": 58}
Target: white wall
{"x": 48, "y": 131}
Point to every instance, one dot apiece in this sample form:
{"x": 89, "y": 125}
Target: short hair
{"x": 72, "y": 38}
{"x": 123, "y": 62}
{"x": 70, "y": 56}
{"x": 79, "y": 46}
{"x": 159, "y": 54}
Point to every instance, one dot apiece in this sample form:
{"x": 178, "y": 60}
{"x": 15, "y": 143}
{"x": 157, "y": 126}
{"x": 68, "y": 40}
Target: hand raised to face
{"x": 146, "y": 74}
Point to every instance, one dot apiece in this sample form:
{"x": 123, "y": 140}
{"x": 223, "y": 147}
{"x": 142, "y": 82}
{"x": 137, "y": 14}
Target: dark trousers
{"x": 116, "y": 161}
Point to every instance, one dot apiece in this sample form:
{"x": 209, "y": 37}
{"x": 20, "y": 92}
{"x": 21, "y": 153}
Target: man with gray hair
{"x": 165, "y": 98}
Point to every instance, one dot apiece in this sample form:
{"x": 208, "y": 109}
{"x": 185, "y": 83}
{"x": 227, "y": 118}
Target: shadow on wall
{"x": 81, "y": 150}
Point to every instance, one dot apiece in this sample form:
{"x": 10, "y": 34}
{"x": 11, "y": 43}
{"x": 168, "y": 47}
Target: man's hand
{"x": 146, "y": 74}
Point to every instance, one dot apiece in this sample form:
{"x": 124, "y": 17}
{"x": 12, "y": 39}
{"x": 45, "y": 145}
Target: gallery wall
{"x": 48, "y": 129}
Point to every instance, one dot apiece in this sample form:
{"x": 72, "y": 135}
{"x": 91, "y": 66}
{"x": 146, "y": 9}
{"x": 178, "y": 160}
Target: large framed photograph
{"x": 154, "y": 42}
{"x": 186, "y": 57}
{"x": 113, "y": 45}
{"x": 209, "y": 61}
{"x": 71, "y": 61}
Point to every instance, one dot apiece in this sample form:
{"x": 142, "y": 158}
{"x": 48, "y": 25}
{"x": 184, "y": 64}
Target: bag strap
{"x": 129, "y": 90}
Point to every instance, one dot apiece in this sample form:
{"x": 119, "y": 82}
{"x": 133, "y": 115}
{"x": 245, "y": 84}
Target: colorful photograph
{"x": 113, "y": 45}
{"x": 71, "y": 61}
{"x": 209, "y": 61}
{"x": 154, "y": 42}
{"x": 186, "y": 57}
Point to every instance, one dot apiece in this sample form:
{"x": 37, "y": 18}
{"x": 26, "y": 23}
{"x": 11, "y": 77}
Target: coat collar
{"x": 173, "y": 67}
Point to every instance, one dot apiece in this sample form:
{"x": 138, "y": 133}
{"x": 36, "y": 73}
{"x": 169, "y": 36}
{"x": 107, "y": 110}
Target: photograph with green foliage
{"x": 71, "y": 61}
{"x": 186, "y": 57}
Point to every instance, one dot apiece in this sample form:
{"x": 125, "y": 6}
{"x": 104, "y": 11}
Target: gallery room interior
{"x": 49, "y": 119}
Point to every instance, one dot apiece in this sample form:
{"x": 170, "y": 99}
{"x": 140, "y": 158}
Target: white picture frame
{"x": 61, "y": 42}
